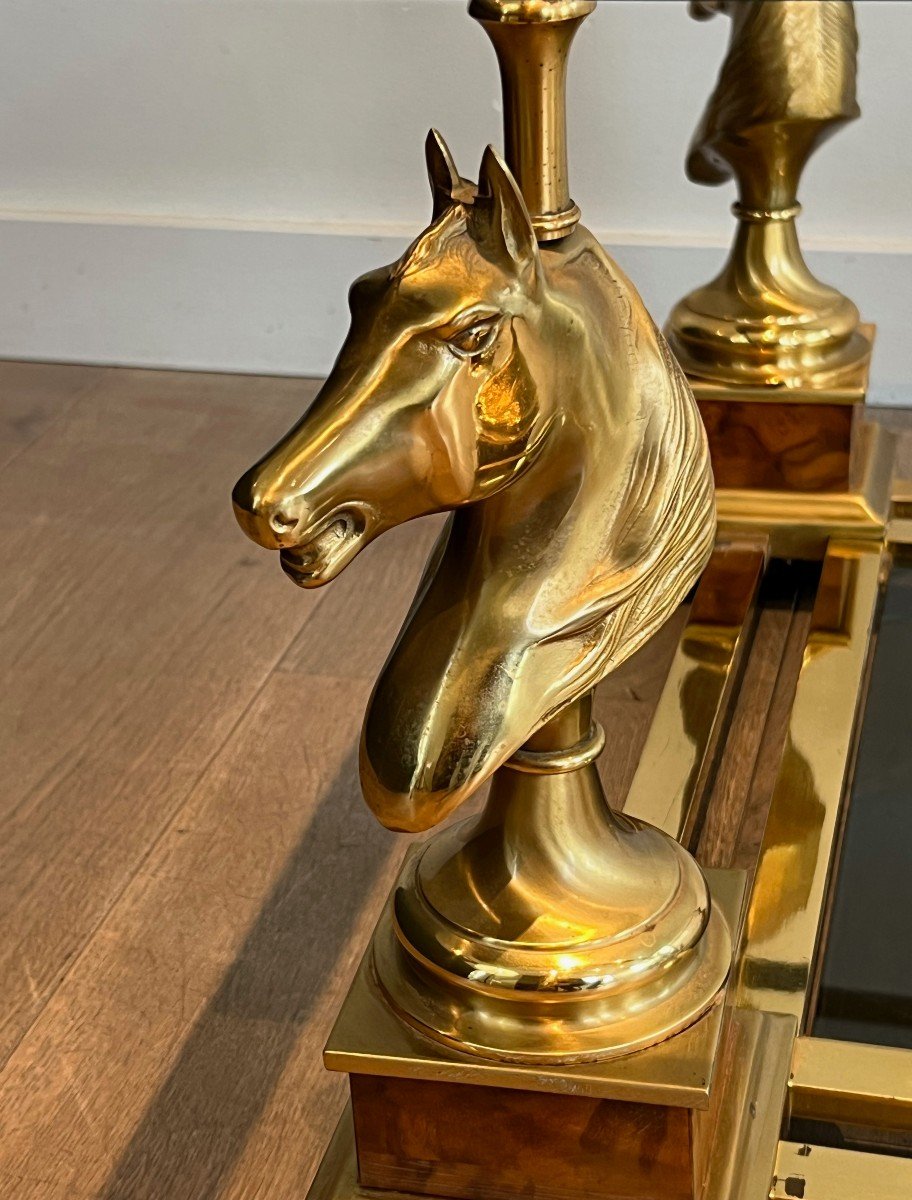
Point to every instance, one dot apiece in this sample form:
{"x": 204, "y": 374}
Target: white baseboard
{"x": 273, "y": 300}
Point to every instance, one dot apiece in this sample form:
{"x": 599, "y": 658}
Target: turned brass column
{"x": 532, "y": 40}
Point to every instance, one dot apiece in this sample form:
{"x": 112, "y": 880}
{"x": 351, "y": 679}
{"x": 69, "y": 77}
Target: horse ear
{"x": 499, "y": 220}
{"x": 442, "y": 173}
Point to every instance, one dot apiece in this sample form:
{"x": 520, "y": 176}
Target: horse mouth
{"x": 329, "y": 547}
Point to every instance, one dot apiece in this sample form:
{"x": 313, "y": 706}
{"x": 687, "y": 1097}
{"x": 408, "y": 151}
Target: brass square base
{"x": 591, "y": 1147}
{"x": 369, "y": 1039}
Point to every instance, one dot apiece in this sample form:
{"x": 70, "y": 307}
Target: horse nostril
{"x": 281, "y": 522}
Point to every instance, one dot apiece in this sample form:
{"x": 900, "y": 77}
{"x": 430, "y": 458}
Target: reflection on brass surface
{"x": 550, "y": 929}
{"x": 822, "y": 1173}
{"x": 744, "y": 1128}
{"x": 692, "y": 714}
{"x": 369, "y": 1039}
{"x": 787, "y": 83}
{"x": 852, "y": 1083}
{"x": 525, "y": 388}
{"x": 785, "y": 910}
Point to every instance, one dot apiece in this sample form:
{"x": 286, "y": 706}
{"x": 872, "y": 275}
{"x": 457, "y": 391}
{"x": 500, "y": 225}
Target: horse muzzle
{"x": 275, "y": 523}
{"x": 313, "y": 549}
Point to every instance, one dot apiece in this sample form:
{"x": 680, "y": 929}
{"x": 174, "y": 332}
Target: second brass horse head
{"x": 526, "y": 389}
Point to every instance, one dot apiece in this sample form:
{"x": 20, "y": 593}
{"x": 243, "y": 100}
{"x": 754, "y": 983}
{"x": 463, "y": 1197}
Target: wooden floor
{"x": 188, "y": 873}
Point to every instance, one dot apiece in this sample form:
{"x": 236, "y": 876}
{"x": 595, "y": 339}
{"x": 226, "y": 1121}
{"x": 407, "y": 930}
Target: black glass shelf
{"x": 865, "y": 990}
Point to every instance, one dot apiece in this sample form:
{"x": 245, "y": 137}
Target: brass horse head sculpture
{"x": 526, "y": 389}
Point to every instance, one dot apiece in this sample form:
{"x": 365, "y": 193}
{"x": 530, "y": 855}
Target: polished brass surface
{"x": 528, "y": 390}
{"x": 785, "y": 912}
{"x": 821, "y": 1173}
{"x": 787, "y": 83}
{"x": 742, "y": 1133}
{"x": 692, "y": 714}
{"x": 852, "y": 1083}
{"x": 532, "y": 40}
{"x": 550, "y": 929}
{"x": 368, "y": 1038}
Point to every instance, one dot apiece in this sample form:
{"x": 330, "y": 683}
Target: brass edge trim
{"x": 744, "y": 1134}
{"x": 899, "y": 526}
{"x": 852, "y": 1082}
{"x": 779, "y": 509}
{"x": 902, "y": 491}
{"x": 679, "y": 754}
{"x": 899, "y": 531}
{"x": 761, "y": 216}
{"x": 824, "y": 1173}
{"x": 551, "y": 226}
{"x": 790, "y": 884}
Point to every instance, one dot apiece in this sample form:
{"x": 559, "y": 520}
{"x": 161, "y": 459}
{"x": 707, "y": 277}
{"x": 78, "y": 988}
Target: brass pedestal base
{"x": 765, "y": 321}
{"x": 550, "y": 929}
{"x": 429, "y": 1119}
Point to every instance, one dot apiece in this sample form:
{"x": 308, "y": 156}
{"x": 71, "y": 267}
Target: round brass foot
{"x": 549, "y": 929}
{"x": 766, "y": 320}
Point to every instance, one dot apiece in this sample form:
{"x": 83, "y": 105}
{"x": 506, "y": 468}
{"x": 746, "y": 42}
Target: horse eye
{"x": 476, "y": 339}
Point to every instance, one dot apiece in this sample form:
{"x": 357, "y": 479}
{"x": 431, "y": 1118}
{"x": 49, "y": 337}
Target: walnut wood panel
{"x": 792, "y": 447}
{"x": 742, "y": 787}
{"x": 434, "y": 1139}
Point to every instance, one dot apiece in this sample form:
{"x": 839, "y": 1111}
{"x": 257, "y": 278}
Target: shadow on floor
{"x": 196, "y": 1126}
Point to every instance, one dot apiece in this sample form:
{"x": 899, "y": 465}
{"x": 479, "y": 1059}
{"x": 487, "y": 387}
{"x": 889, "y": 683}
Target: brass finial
{"x": 532, "y": 41}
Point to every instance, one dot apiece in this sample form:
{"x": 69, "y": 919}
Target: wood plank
{"x": 216, "y": 978}
{"x": 132, "y": 639}
{"x": 35, "y": 395}
{"x": 731, "y": 787}
{"x": 746, "y": 849}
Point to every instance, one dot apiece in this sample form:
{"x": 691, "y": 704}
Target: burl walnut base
{"x": 799, "y": 465}
{"x": 429, "y": 1120}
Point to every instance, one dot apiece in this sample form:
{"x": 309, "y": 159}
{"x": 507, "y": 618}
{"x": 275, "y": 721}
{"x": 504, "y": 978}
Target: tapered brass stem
{"x": 532, "y": 40}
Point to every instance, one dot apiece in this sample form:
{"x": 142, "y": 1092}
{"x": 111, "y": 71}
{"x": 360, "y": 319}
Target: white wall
{"x": 194, "y": 182}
